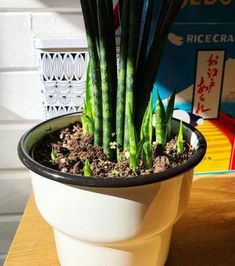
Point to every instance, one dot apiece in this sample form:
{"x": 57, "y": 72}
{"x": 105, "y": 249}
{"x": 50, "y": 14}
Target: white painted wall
{"x": 20, "y": 99}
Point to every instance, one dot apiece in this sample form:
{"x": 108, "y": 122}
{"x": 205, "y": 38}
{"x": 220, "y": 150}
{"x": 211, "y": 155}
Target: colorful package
{"x": 199, "y": 61}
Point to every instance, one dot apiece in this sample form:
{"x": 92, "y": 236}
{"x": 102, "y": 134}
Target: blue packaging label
{"x": 184, "y": 65}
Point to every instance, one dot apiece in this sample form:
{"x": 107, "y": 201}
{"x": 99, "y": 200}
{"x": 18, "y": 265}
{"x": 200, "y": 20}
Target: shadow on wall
{"x": 4, "y": 112}
{"x": 58, "y": 19}
{"x": 63, "y": 5}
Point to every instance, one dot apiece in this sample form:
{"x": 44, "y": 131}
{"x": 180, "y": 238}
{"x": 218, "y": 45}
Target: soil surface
{"x": 67, "y": 150}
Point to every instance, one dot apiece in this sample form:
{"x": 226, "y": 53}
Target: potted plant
{"x": 113, "y": 181}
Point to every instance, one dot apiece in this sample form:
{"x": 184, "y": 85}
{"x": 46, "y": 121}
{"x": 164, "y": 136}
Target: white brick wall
{"x": 20, "y": 95}
{"x": 41, "y": 5}
{"x": 60, "y": 24}
{"x": 16, "y": 48}
{"x": 20, "y": 98}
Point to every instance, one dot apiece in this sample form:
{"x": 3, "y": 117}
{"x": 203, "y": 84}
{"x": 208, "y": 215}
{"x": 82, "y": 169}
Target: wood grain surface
{"x": 204, "y": 236}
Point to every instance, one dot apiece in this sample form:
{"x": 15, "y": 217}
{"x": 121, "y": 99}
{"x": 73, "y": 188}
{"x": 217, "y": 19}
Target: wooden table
{"x": 204, "y": 236}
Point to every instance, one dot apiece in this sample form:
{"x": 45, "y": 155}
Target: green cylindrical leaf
{"x": 161, "y": 132}
{"x": 145, "y": 36}
{"x": 140, "y": 148}
{"x": 147, "y": 155}
{"x": 132, "y": 140}
{"x": 87, "y": 124}
{"x": 121, "y": 4}
{"x": 88, "y": 110}
{"x": 112, "y": 58}
{"x": 94, "y": 19}
{"x": 146, "y": 131}
{"x": 87, "y": 168}
{"x": 169, "y": 114}
{"x": 89, "y": 96}
{"x": 95, "y": 70}
{"x": 133, "y": 41}
{"x": 53, "y": 154}
{"x": 106, "y": 76}
{"x": 146, "y": 77}
{"x": 120, "y": 111}
{"x": 180, "y": 139}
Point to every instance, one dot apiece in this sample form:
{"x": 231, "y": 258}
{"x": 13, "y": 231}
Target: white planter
{"x": 63, "y": 64}
{"x": 110, "y": 222}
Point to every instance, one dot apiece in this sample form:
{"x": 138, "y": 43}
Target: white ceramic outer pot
{"x": 110, "y": 222}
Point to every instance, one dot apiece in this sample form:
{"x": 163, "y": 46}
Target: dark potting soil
{"x": 67, "y": 150}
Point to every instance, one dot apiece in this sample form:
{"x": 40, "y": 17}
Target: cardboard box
{"x": 199, "y": 61}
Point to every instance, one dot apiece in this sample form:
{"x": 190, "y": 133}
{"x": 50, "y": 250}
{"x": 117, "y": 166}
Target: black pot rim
{"x": 79, "y": 180}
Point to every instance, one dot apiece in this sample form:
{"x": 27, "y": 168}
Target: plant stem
{"x": 95, "y": 71}
{"x": 122, "y": 78}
